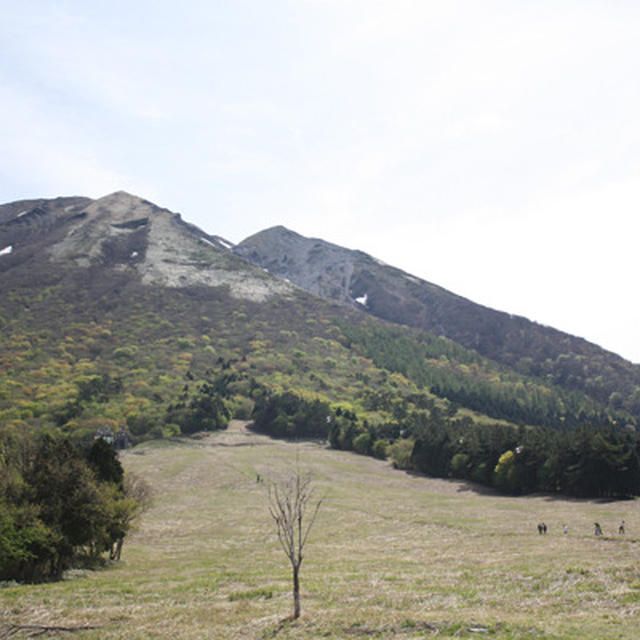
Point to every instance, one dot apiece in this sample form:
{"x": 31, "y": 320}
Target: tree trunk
{"x": 296, "y": 593}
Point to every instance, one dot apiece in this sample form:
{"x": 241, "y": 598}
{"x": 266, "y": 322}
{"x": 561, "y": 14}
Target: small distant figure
{"x": 621, "y": 528}
{"x": 542, "y": 528}
{"x": 565, "y": 529}
{"x": 598, "y": 528}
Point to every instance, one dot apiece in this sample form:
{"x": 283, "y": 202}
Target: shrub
{"x": 380, "y": 449}
{"x": 400, "y": 453}
{"x": 362, "y": 443}
{"x": 124, "y": 353}
{"x": 243, "y": 409}
{"x": 459, "y": 465}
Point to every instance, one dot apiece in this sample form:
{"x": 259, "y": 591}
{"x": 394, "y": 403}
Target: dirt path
{"x": 236, "y": 434}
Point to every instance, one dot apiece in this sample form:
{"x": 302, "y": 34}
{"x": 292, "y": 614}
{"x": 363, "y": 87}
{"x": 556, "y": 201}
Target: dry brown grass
{"x": 391, "y": 555}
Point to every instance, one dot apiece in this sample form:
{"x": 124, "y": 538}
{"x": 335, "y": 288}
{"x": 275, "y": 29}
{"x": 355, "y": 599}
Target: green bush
{"x": 124, "y": 353}
{"x": 459, "y": 465}
{"x": 243, "y": 408}
{"x": 362, "y": 443}
{"x": 380, "y": 449}
{"x": 400, "y": 453}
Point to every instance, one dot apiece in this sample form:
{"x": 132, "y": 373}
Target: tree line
{"x": 543, "y": 397}
{"x": 61, "y": 505}
{"x": 586, "y": 461}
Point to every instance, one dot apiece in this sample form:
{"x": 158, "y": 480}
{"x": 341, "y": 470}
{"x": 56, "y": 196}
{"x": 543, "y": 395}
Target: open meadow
{"x": 391, "y": 555}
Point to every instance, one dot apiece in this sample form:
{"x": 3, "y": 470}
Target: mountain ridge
{"x": 278, "y": 297}
{"x": 128, "y": 233}
{"x": 267, "y": 249}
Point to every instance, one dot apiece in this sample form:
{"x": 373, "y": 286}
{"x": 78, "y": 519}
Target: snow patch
{"x": 208, "y": 242}
{"x": 22, "y": 213}
{"x": 6, "y": 250}
{"x": 224, "y": 243}
{"x": 134, "y": 254}
{"x": 362, "y": 300}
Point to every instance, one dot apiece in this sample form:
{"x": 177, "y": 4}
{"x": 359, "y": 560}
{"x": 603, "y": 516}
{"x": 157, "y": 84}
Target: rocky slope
{"x": 356, "y": 278}
{"x": 130, "y": 235}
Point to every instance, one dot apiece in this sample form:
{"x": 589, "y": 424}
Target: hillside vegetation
{"x": 383, "y": 291}
{"x": 390, "y": 555}
{"x": 119, "y": 315}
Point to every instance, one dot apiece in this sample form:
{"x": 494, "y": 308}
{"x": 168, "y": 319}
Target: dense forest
{"x": 463, "y": 376}
{"x": 586, "y": 461}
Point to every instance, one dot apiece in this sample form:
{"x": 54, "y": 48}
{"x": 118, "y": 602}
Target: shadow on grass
{"x": 462, "y": 485}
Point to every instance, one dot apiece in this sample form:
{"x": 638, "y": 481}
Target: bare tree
{"x": 294, "y": 511}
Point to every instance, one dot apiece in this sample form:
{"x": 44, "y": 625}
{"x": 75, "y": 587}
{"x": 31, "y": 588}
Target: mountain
{"x": 129, "y": 235}
{"x": 76, "y": 258}
{"x": 116, "y": 311}
{"x": 117, "y": 315}
{"x": 357, "y": 279}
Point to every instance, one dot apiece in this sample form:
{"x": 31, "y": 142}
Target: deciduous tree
{"x": 294, "y": 509}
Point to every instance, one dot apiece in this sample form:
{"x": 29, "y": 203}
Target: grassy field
{"x": 391, "y": 555}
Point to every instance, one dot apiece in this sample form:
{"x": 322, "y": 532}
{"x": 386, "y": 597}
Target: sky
{"x": 492, "y": 148}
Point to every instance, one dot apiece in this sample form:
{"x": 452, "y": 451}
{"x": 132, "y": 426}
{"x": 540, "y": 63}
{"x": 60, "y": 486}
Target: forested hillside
{"x": 119, "y": 315}
{"x": 522, "y": 346}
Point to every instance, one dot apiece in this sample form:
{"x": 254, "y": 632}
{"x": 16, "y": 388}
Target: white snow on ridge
{"x": 6, "y": 250}
{"x": 22, "y": 213}
{"x": 220, "y": 241}
{"x": 362, "y": 300}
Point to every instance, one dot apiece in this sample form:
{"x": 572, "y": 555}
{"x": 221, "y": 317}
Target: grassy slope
{"x": 391, "y": 555}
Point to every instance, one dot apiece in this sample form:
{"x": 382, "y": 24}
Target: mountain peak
{"x": 122, "y": 206}
{"x": 131, "y": 235}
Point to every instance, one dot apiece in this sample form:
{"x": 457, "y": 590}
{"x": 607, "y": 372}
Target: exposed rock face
{"x": 345, "y": 275}
{"x": 28, "y": 220}
{"x": 315, "y": 265}
{"x": 354, "y": 277}
{"x": 129, "y": 234}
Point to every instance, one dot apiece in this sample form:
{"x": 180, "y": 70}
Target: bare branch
{"x": 289, "y": 504}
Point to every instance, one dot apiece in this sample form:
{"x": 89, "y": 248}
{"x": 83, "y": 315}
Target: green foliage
{"x": 104, "y": 462}
{"x": 77, "y": 353}
{"x": 291, "y": 415}
{"x": 401, "y": 452}
{"x": 466, "y": 378}
{"x": 243, "y": 408}
{"x": 205, "y": 410}
{"x": 57, "y": 506}
{"x": 362, "y": 443}
{"x": 380, "y": 449}
{"x": 585, "y": 462}
{"x": 124, "y": 353}
{"x": 504, "y": 475}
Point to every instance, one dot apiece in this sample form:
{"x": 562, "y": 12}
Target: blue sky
{"x": 492, "y": 148}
